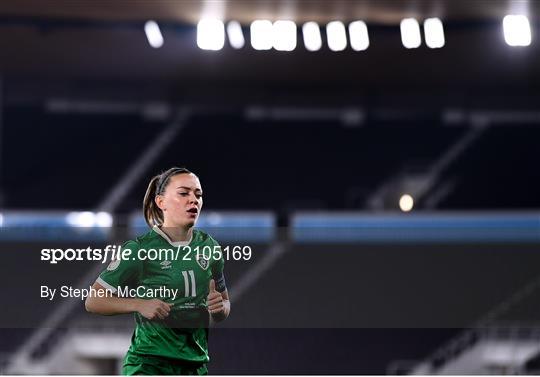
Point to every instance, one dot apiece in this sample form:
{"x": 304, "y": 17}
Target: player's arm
{"x": 218, "y": 301}
{"x": 101, "y": 303}
{"x": 123, "y": 272}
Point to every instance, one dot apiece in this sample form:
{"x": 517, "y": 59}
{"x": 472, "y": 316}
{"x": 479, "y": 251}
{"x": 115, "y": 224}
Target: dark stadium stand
{"x": 67, "y": 161}
{"x": 280, "y": 176}
{"x": 274, "y": 170}
{"x": 499, "y": 171}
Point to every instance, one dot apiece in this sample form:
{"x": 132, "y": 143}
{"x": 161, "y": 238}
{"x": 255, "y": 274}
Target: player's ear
{"x": 160, "y": 202}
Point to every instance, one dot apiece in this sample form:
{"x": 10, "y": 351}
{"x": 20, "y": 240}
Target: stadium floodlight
{"x": 89, "y": 219}
{"x": 336, "y": 35}
{"x": 153, "y": 34}
{"x": 312, "y": 36}
{"x": 358, "y": 35}
{"x": 261, "y": 34}
{"x": 517, "y": 30}
{"x": 410, "y": 33}
{"x": 434, "y": 33}
{"x": 284, "y": 35}
{"x": 406, "y": 202}
{"x": 103, "y": 220}
{"x": 84, "y": 219}
{"x": 236, "y": 37}
{"x": 210, "y": 34}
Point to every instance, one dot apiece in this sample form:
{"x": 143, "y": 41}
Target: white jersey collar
{"x": 158, "y": 230}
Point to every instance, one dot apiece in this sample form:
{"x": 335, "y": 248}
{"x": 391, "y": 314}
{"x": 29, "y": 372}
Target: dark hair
{"x": 152, "y": 213}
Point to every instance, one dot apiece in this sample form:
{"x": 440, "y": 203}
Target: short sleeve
{"x": 122, "y": 272}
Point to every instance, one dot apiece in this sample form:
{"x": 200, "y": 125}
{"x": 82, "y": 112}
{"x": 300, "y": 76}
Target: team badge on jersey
{"x": 202, "y": 261}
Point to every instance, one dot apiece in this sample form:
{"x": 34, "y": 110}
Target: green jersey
{"x": 176, "y": 273}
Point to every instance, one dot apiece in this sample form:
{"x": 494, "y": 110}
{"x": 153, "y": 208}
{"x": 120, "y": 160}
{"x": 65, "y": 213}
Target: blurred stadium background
{"x": 388, "y": 186}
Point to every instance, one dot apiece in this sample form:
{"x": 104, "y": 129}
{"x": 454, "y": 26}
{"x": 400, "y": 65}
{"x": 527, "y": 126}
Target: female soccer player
{"x": 171, "y": 333}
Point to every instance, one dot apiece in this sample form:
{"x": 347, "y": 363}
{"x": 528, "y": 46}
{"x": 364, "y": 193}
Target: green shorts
{"x": 155, "y": 365}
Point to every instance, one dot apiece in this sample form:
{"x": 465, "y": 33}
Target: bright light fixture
{"x": 261, "y": 34}
{"x": 358, "y": 35}
{"x": 517, "y": 30}
{"x": 406, "y": 203}
{"x": 89, "y": 219}
{"x": 312, "y": 36}
{"x": 284, "y": 35}
{"x": 410, "y": 33}
{"x": 153, "y": 34}
{"x": 210, "y": 34}
{"x": 434, "y": 33}
{"x": 336, "y": 35}
{"x": 235, "y": 34}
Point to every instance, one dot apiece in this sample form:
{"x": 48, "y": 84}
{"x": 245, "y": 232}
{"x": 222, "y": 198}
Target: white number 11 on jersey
{"x": 186, "y": 283}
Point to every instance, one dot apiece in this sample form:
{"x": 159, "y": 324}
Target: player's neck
{"x": 177, "y": 233}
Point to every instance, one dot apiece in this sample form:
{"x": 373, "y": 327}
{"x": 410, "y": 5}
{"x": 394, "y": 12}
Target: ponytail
{"x": 152, "y": 213}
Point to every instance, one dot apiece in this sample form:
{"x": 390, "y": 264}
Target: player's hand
{"x": 154, "y": 309}
{"x": 214, "y": 300}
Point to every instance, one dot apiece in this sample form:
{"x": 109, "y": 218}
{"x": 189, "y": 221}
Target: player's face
{"x": 182, "y": 200}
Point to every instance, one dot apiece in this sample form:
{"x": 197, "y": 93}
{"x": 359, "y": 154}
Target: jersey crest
{"x": 202, "y": 261}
